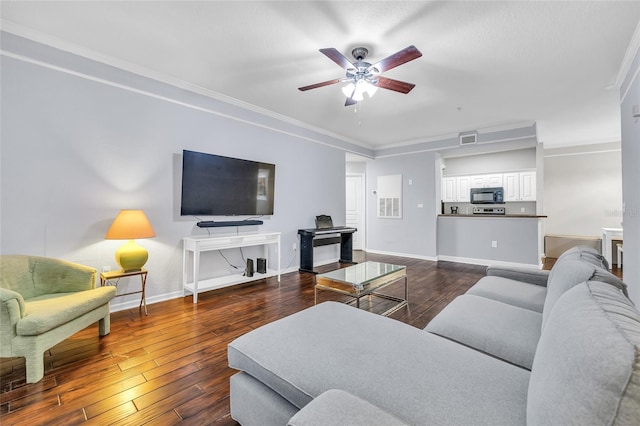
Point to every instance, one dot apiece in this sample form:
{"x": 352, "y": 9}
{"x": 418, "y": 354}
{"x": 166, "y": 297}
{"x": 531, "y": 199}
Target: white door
{"x": 355, "y": 209}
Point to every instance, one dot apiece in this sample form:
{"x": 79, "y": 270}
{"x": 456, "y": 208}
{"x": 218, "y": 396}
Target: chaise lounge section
{"x": 310, "y": 367}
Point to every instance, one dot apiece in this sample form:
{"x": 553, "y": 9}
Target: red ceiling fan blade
{"x": 337, "y": 57}
{"x": 315, "y": 86}
{"x": 395, "y": 85}
{"x": 405, "y": 55}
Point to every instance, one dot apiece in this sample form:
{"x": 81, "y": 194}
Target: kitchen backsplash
{"x": 514, "y": 207}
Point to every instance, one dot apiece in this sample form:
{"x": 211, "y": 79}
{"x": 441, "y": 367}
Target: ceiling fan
{"x": 362, "y": 77}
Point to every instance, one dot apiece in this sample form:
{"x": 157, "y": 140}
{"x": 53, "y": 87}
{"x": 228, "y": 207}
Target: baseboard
{"x": 488, "y": 262}
{"x": 115, "y": 307}
{"x": 411, "y": 256}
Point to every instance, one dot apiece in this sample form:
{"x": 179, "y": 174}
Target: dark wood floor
{"x": 171, "y": 366}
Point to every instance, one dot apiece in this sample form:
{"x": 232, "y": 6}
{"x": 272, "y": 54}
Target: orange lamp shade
{"x": 128, "y": 225}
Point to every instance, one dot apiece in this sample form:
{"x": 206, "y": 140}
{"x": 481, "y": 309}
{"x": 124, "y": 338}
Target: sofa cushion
{"x": 528, "y": 275}
{"x": 495, "y": 328}
{"x": 512, "y": 292}
{"x": 339, "y": 408}
{"x": 587, "y": 366}
{"x": 586, "y": 254}
{"x": 570, "y": 272}
{"x": 336, "y": 346}
{"x": 44, "y": 313}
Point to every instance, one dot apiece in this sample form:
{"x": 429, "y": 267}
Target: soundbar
{"x": 214, "y": 224}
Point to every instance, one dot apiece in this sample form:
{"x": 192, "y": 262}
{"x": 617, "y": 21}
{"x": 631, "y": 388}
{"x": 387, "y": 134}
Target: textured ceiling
{"x": 485, "y": 63}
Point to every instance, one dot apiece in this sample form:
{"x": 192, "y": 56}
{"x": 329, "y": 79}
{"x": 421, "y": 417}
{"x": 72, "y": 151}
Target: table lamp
{"x": 128, "y": 225}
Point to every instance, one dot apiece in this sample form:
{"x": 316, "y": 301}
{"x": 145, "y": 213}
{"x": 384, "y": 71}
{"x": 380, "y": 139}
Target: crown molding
{"x": 75, "y": 49}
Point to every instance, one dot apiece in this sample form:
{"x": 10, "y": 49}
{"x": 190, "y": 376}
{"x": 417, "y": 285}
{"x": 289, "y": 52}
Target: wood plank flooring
{"x": 171, "y": 366}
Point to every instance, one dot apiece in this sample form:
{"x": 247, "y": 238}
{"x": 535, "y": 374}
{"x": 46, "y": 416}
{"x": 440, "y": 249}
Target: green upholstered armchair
{"x": 44, "y": 301}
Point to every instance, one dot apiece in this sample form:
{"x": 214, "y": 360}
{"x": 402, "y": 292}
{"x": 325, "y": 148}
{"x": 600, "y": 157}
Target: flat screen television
{"x": 214, "y": 185}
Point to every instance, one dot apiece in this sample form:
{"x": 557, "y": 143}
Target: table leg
{"x": 143, "y": 299}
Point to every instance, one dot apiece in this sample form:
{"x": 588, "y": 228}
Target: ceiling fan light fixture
{"x": 357, "y": 90}
{"x": 348, "y": 89}
{"x": 361, "y": 88}
{"x": 371, "y": 89}
{"x": 362, "y": 77}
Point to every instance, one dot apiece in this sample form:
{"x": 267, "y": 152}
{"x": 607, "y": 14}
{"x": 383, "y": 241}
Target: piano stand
{"x": 310, "y": 238}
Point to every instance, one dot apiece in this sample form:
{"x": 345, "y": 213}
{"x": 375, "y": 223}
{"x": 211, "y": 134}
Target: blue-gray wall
{"x": 82, "y": 140}
{"x": 415, "y": 234}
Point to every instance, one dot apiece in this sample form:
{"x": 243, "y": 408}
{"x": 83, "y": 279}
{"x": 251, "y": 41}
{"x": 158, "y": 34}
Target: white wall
{"x": 630, "y": 95}
{"x": 583, "y": 189}
{"x": 495, "y": 162}
{"x": 83, "y": 141}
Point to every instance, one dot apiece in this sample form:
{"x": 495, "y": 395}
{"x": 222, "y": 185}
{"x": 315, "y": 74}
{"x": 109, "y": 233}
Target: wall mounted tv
{"x": 222, "y": 186}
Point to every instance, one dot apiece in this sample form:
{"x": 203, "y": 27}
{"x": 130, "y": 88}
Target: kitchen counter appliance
{"x": 489, "y": 210}
{"x": 487, "y": 195}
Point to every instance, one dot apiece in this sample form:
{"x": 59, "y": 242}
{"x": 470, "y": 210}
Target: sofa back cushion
{"x": 571, "y": 271}
{"x": 587, "y": 365}
{"x": 586, "y": 254}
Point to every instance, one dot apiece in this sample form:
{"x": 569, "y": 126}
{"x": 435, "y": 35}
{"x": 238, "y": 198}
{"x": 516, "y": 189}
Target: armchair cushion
{"x": 33, "y": 276}
{"x": 47, "y": 312}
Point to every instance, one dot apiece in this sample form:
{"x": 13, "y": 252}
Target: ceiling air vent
{"x": 468, "y": 138}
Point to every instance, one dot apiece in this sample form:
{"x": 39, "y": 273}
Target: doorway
{"x": 355, "y": 208}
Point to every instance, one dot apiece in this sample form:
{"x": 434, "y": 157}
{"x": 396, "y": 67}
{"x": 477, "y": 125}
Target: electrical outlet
{"x": 106, "y": 268}
{"x": 522, "y": 209}
{"x": 494, "y": 244}
{"x": 295, "y": 246}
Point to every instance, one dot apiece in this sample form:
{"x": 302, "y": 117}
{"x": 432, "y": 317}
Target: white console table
{"x": 197, "y": 245}
{"x": 608, "y": 234}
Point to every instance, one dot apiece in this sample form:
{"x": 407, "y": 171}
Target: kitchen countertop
{"x": 517, "y": 216}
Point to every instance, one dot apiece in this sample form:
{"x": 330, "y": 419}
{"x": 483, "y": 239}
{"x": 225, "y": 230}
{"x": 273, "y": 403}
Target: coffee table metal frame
{"x": 338, "y": 282}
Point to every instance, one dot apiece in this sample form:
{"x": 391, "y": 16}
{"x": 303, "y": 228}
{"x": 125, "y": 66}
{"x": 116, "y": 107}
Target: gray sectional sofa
{"x": 520, "y": 347}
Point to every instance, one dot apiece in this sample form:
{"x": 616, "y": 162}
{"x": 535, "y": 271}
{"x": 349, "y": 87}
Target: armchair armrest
{"x": 16, "y": 310}
{"x": 12, "y": 309}
{"x": 527, "y": 275}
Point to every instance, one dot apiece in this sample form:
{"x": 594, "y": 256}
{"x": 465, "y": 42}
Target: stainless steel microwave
{"x": 487, "y": 195}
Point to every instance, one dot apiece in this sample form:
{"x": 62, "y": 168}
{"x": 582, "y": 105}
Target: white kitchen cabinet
{"x": 511, "y": 186}
{"x": 463, "y": 187}
{"x": 486, "y": 181}
{"x": 527, "y": 186}
{"x": 494, "y": 180}
{"x": 449, "y": 193}
{"x": 478, "y": 181}
{"x": 520, "y": 186}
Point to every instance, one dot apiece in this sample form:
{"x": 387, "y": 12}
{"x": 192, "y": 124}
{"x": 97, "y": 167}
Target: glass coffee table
{"x": 364, "y": 279}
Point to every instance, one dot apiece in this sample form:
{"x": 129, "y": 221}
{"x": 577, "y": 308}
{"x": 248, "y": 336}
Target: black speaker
{"x": 262, "y": 265}
{"x": 249, "y": 271}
